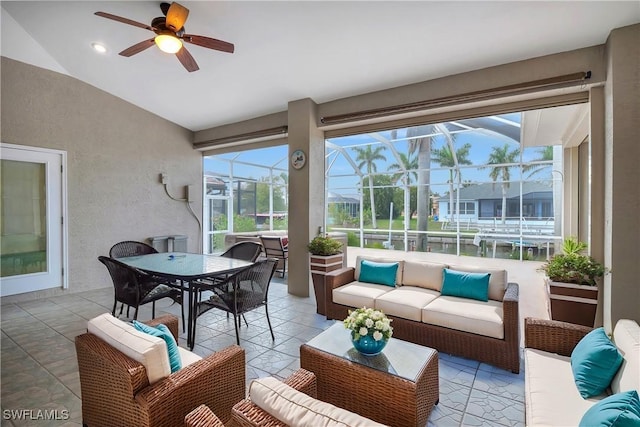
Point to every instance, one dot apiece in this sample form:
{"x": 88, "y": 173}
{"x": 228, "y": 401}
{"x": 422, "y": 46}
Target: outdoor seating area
{"x": 45, "y": 357}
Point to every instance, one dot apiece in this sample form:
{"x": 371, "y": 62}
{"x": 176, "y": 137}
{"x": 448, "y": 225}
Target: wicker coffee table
{"x": 398, "y": 387}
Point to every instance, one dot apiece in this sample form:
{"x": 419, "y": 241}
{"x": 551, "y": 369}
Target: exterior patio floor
{"x": 39, "y": 368}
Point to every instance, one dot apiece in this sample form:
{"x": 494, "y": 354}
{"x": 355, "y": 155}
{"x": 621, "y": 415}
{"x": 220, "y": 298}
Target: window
{"x": 406, "y": 185}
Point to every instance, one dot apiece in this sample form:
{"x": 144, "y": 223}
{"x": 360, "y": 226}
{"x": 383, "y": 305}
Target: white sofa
{"x": 484, "y": 331}
{"x": 551, "y": 395}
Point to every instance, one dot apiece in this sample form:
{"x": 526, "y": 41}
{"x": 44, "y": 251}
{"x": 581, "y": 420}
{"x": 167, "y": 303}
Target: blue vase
{"x": 367, "y": 345}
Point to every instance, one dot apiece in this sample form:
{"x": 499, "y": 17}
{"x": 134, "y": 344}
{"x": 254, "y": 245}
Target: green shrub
{"x": 324, "y": 245}
{"x": 572, "y": 266}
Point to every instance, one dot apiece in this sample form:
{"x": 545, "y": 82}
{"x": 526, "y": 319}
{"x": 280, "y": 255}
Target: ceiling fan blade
{"x": 124, "y": 20}
{"x": 208, "y": 42}
{"x": 187, "y": 60}
{"x": 176, "y": 16}
{"x": 137, "y": 48}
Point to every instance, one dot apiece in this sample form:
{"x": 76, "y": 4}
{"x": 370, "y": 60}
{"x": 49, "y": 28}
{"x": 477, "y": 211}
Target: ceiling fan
{"x": 170, "y": 34}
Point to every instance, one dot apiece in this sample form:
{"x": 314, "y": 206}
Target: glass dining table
{"x": 186, "y": 268}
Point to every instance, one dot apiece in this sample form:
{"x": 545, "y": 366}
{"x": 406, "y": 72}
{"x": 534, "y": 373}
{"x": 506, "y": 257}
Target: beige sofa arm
{"x": 217, "y": 381}
{"x": 552, "y": 335}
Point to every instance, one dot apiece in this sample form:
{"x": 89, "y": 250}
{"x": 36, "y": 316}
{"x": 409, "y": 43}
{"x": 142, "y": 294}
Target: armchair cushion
{"x": 296, "y": 408}
{"x": 148, "y": 350}
{"x": 162, "y": 331}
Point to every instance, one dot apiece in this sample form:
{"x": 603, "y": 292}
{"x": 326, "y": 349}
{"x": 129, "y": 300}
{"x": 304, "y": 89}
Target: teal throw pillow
{"x": 163, "y": 332}
{"x": 618, "y": 410}
{"x": 379, "y": 273}
{"x": 594, "y": 362}
{"x": 465, "y": 285}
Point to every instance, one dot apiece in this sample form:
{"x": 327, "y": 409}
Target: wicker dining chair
{"x": 116, "y": 391}
{"x": 130, "y": 248}
{"x": 273, "y": 248}
{"x": 239, "y": 293}
{"x": 247, "y": 251}
{"x": 135, "y": 288}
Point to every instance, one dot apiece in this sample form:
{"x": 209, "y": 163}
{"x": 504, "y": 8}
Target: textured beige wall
{"x": 622, "y": 192}
{"x": 116, "y": 152}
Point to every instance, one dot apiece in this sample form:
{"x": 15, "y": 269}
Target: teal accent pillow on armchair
{"x": 595, "y": 360}
{"x": 379, "y": 273}
{"x": 161, "y": 331}
{"x": 465, "y": 285}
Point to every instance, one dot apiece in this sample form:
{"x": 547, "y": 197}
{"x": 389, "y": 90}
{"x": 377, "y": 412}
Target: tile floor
{"x": 39, "y": 369}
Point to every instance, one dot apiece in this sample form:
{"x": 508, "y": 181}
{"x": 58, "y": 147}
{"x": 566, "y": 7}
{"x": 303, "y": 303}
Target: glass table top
{"x": 400, "y": 358}
{"x": 184, "y": 265}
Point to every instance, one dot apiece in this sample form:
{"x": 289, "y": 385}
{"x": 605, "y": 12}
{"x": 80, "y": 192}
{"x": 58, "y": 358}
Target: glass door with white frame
{"x": 32, "y": 253}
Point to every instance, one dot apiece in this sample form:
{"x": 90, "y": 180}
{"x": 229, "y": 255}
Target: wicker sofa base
{"x": 502, "y": 353}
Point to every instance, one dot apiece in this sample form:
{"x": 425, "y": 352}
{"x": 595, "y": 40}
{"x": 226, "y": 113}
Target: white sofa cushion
{"x": 423, "y": 274}
{"x": 497, "y": 280}
{"x": 295, "y": 408}
{"x": 150, "y": 351}
{"x": 468, "y": 315}
{"x": 552, "y": 398}
{"x": 359, "y": 294}
{"x": 373, "y": 259}
{"x": 626, "y": 336}
{"x": 406, "y": 302}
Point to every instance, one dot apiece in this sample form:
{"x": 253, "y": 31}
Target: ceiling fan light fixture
{"x": 168, "y": 43}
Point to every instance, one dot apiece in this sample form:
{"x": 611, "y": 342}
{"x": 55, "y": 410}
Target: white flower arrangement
{"x": 367, "y": 321}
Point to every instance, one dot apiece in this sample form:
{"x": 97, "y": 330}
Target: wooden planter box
{"x": 573, "y": 303}
{"x": 320, "y": 265}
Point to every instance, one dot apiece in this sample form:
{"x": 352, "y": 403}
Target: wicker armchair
{"x": 116, "y": 390}
{"x": 202, "y": 416}
{"x": 247, "y": 414}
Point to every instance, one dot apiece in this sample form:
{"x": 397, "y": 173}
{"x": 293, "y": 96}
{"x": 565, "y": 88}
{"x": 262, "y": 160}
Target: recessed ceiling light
{"x": 99, "y": 47}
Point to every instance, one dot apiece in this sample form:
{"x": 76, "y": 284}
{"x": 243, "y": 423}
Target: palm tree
{"x": 408, "y": 164}
{"x": 501, "y": 156}
{"x": 545, "y": 154}
{"x": 447, "y": 158}
{"x": 367, "y": 156}
{"x": 420, "y": 138}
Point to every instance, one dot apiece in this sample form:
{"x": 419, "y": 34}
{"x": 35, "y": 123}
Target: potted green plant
{"x": 325, "y": 256}
{"x": 572, "y": 283}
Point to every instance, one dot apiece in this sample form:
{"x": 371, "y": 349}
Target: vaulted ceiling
{"x": 284, "y": 51}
